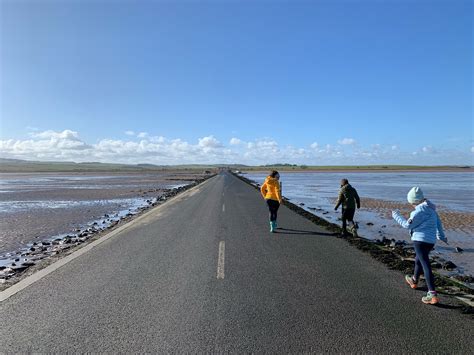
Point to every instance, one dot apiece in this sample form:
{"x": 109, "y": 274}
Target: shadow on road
{"x": 302, "y": 232}
{"x": 464, "y": 309}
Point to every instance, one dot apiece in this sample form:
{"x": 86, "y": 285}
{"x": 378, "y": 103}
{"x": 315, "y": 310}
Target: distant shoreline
{"x": 363, "y": 170}
{"x": 25, "y": 166}
{"x": 103, "y": 172}
{"x": 182, "y": 170}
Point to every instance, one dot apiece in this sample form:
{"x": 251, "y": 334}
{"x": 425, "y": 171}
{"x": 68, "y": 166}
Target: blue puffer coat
{"x": 424, "y": 223}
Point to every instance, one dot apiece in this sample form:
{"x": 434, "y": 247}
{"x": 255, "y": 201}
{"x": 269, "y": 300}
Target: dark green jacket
{"x": 348, "y": 197}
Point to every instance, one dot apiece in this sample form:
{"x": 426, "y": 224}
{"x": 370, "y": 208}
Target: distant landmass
{"x": 18, "y": 165}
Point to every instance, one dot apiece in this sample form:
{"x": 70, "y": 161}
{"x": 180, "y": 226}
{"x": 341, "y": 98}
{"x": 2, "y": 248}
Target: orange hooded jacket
{"x": 270, "y": 189}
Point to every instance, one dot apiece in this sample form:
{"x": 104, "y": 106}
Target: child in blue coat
{"x": 425, "y": 228}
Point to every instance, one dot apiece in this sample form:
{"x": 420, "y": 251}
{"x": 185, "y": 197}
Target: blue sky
{"x": 313, "y": 82}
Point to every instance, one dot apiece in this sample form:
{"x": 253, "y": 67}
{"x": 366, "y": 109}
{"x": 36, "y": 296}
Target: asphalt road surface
{"x": 203, "y": 274}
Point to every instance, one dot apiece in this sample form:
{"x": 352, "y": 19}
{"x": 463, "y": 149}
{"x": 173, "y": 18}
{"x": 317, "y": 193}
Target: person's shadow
{"x": 464, "y": 309}
{"x": 302, "y": 232}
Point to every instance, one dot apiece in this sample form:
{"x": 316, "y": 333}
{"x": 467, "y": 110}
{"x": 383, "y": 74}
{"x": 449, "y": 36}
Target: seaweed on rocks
{"x": 464, "y": 278}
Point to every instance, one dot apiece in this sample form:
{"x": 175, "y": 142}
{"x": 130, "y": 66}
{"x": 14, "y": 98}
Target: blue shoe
{"x": 430, "y": 298}
{"x": 272, "y": 227}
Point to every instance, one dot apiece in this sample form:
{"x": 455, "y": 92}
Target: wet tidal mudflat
{"x": 44, "y": 213}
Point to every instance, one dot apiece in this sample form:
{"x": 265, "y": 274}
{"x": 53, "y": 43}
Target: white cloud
{"x": 48, "y": 144}
{"x": 235, "y": 141}
{"x": 266, "y": 144}
{"x": 209, "y": 142}
{"x": 347, "y": 141}
{"x": 68, "y": 145}
{"x": 262, "y": 150}
{"x": 142, "y": 135}
{"x": 130, "y": 133}
{"x": 158, "y": 139}
{"x": 66, "y": 134}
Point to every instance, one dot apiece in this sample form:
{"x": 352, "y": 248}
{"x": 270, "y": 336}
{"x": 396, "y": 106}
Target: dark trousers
{"x": 347, "y": 215}
{"x": 273, "y": 208}
{"x": 422, "y": 262}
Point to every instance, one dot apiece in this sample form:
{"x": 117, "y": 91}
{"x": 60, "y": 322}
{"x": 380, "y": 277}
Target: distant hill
{"x": 294, "y": 167}
{"x": 18, "y": 165}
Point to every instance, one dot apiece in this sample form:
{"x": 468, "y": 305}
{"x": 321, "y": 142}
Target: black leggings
{"x": 422, "y": 262}
{"x": 273, "y": 208}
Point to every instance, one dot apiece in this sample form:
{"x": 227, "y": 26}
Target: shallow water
{"x": 42, "y": 205}
{"x": 449, "y": 191}
{"x": 23, "y": 206}
{"x": 37, "y": 182}
{"x": 117, "y": 209}
{"x": 454, "y": 191}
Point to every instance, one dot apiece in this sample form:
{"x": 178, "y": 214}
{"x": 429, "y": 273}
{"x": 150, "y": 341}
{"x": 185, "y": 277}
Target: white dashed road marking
{"x": 220, "y": 262}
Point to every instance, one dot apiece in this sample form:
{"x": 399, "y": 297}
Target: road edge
{"x": 39, "y": 274}
{"x": 444, "y": 284}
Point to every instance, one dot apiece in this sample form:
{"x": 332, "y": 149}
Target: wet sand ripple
{"x": 452, "y": 220}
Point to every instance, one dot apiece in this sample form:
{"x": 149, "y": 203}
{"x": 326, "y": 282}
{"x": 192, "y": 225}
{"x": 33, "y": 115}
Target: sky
{"x": 252, "y": 82}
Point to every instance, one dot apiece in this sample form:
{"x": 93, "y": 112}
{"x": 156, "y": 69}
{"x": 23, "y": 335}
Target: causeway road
{"x": 202, "y": 273}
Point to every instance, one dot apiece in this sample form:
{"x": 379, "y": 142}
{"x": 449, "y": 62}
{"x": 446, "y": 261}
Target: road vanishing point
{"x": 202, "y": 274}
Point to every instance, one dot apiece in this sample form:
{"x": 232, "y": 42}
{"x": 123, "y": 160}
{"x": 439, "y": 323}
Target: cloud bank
{"x": 142, "y": 147}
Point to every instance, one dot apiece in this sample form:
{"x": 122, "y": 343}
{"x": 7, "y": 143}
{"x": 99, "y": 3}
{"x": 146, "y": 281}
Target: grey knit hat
{"x": 415, "y": 195}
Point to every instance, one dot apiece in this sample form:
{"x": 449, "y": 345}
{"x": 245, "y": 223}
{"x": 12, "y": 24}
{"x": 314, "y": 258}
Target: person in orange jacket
{"x": 271, "y": 192}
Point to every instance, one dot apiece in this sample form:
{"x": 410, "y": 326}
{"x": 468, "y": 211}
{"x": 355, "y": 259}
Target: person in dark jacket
{"x": 349, "y": 199}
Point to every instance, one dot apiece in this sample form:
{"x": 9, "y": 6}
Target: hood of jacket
{"x": 271, "y": 180}
{"x": 425, "y": 205}
{"x": 346, "y": 187}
